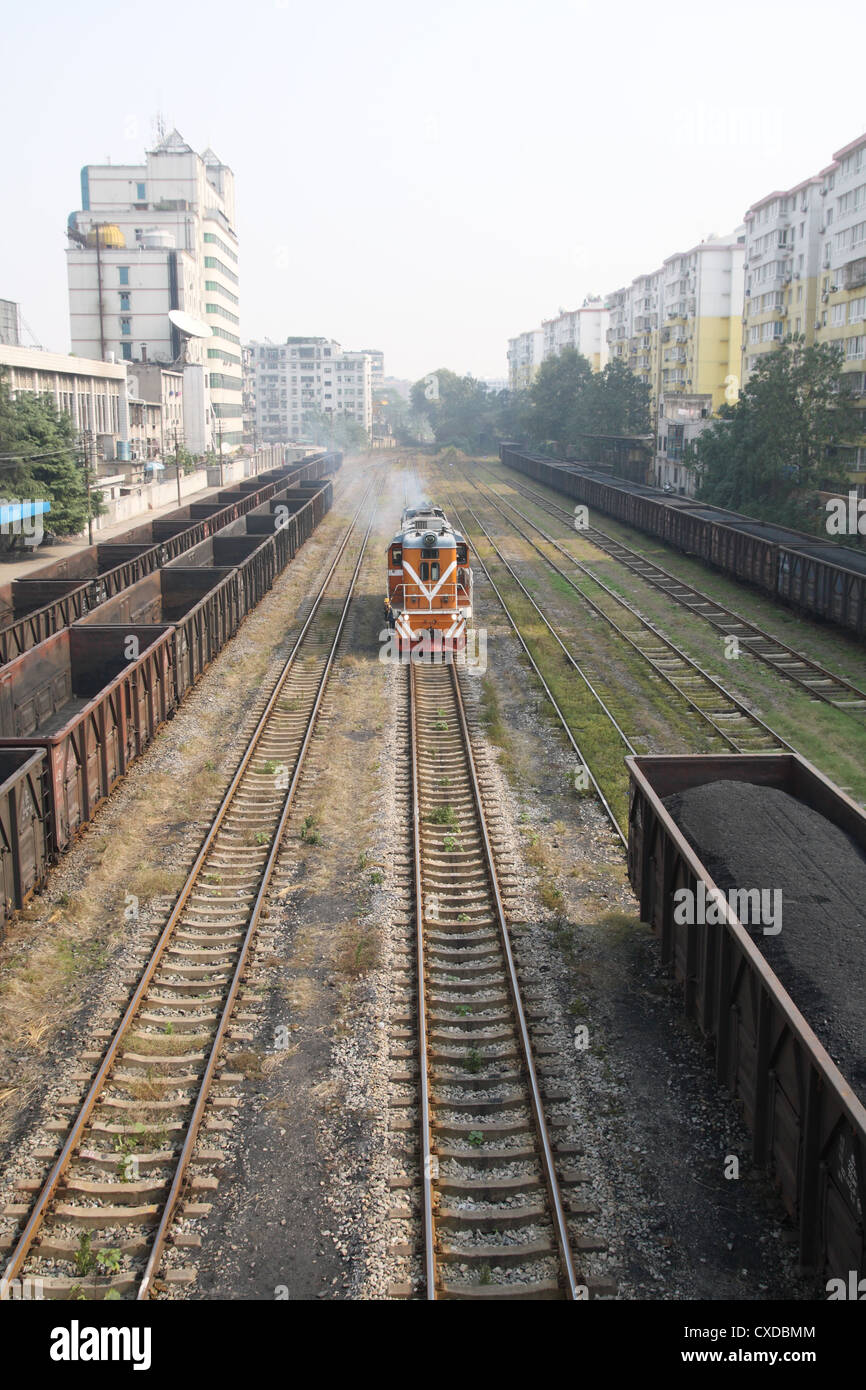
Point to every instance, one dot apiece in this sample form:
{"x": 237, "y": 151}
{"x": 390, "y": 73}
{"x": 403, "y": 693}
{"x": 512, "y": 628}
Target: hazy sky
{"x": 429, "y": 179}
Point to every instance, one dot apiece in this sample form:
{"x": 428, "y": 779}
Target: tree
{"x": 335, "y": 431}
{"x": 615, "y": 401}
{"x": 769, "y": 454}
{"x": 555, "y": 396}
{"x": 38, "y": 442}
{"x": 570, "y": 401}
{"x": 462, "y": 412}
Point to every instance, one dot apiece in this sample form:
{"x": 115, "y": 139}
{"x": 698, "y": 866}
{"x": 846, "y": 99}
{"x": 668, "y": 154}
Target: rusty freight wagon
{"x": 61, "y": 592}
{"x": 204, "y": 607}
{"x": 93, "y": 699}
{"x": 822, "y": 580}
{"x": 807, "y": 1120}
{"x": 25, "y": 811}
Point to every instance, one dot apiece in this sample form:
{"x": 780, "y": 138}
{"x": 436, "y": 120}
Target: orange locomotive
{"x": 429, "y": 582}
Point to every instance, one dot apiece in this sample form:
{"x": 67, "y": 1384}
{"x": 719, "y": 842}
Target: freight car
{"x": 92, "y": 706}
{"x": 25, "y": 807}
{"x": 61, "y": 592}
{"x": 817, "y": 578}
{"x": 76, "y": 708}
{"x": 807, "y": 1123}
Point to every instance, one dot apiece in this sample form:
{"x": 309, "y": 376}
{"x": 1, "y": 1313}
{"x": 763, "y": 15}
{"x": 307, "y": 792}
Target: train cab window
{"x": 397, "y": 554}
{"x": 434, "y": 571}
{"x": 428, "y": 571}
{"x": 461, "y": 554}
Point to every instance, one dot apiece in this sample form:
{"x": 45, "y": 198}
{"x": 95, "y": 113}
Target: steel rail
{"x": 53, "y": 1180}
{"x": 688, "y": 661}
{"x": 558, "y": 1210}
{"x": 584, "y": 761}
{"x": 750, "y": 631}
{"x": 424, "y": 1079}
{"x": 267, "y": 873}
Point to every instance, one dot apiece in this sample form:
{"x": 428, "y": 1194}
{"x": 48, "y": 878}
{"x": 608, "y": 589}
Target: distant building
{"x": 678, "y": 329}
{"x": 496, "y": 383}
{"x": 153, "y": 237}
{"x": 249, "y": 398}
{"x": 160, "y": 389}
{"x": 92, "y": 394}
{"x": 9, "y": 320}
{"x": 303, "y": 379}
{"x": 525, "y": 353}
{"x": 377, "y": 369}
{"x": 584, "y": 329}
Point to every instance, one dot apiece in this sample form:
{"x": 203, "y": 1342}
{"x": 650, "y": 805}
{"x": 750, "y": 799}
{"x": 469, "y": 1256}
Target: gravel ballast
{"x": 759, "y": 837}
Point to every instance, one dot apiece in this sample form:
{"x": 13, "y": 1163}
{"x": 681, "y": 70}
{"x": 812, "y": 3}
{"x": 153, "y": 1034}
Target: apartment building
{"x": 782, "y": 255}
{"x": 678, "y": 329}
{"x": 377, "y": 369}
{"x": 841, "y": 293}
{"x": 806, "y": 274}
{"x": 525, "y": 355}
{"x": 584, "y": 329}
{"x": 154, "y": 237}
{"x": 299, "y": 381}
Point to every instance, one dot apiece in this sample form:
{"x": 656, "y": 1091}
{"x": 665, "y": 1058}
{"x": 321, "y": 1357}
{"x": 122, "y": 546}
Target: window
{"x": 126, "y": 328}
{"x": 855, "y": 347}
{"x": 838, "y": 317}
{"x": 126, "y": 351}
{"x": 124, "y": 303}
{"x": 123, "y": 274}
{"x": 140, "y": 192}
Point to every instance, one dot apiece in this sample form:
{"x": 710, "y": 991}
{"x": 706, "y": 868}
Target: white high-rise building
{"x": 153, "y": 237}
{"x": 584, "y": 329}
{"x": 299, "y": 381}
{"x": 525, "y": 353}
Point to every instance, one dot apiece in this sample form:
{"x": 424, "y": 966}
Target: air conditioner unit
{"x": 834, "y": 289}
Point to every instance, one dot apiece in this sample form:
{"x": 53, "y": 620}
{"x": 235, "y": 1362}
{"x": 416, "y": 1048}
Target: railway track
{"x": 814, "y": 679}
{"x": 731, "y": 724}
{"x": 130, "y": 1161}
{"x": 494, "y": 1217}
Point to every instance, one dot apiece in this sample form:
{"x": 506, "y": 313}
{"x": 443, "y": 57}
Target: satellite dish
{"x": 189, "y": 324}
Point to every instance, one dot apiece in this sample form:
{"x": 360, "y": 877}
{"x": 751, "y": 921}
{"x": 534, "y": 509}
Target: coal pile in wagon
{"x": 751, "y": 837}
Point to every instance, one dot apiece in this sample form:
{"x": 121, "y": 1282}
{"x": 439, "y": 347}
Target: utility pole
{"x": 86, "y": 455}
{"x": 177, "y": 463}
{"x": 220, "y": 432}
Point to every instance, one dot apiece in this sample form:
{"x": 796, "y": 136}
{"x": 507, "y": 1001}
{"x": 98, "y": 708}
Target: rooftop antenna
{"x": 160, "y": 127}
{"x": 187, "y": 327}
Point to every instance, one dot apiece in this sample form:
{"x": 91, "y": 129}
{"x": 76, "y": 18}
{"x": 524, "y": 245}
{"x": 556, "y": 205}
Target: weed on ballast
{"x": 443, "y": 815}
{"x": 309, "y": 834}
{"x": 473, "y": 1061}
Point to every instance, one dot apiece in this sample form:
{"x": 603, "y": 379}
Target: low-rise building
{"x": 93, "y": 394}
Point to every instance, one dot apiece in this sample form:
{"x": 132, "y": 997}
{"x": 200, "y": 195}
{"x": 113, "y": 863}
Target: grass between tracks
{"x": 828, "y": 737}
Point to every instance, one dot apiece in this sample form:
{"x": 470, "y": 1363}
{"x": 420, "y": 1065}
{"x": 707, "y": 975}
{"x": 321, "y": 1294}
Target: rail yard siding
{"x": 808, "y": 1126}
{"x": 88, "y": 577}
{"x": 799, "y": 570}
{"x": 75, "y": 708}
